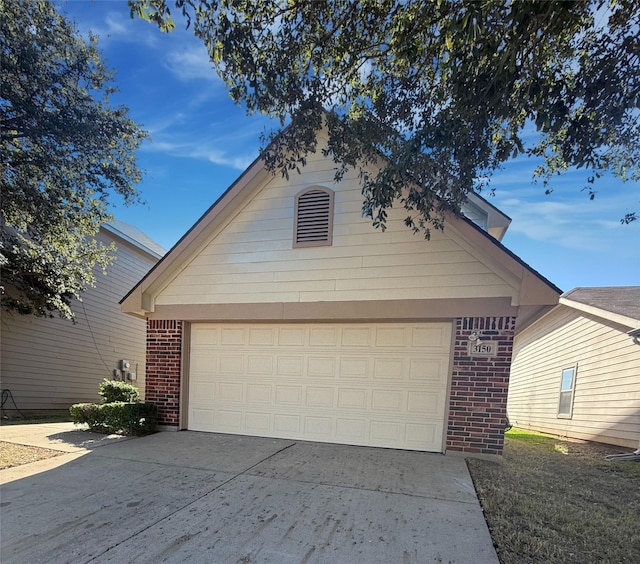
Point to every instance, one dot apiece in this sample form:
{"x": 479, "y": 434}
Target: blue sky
{"x": 201, "y": 142}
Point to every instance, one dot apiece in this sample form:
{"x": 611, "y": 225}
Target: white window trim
{"x": 571, "y": 392}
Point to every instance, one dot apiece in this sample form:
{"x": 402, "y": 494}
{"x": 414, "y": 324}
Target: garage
{"x": 373, "y": 384}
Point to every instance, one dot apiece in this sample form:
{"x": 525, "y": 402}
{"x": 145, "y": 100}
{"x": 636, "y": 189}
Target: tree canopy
{"x": 64, "y": 150}
{"x": 442, "y": 91}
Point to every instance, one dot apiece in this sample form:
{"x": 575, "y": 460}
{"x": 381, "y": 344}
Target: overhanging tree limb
{"x": 64, "y": 150}
{"x": 457, "y": 81}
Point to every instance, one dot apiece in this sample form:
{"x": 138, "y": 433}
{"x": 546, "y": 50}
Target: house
{"x": 576, "y": 370}
{"x": 283, "y": 313}
{"x": 49, "y": 364}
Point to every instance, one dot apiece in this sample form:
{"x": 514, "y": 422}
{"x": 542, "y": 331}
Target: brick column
{"x": 164, "y": 362}
{"x": 478, "y": 402}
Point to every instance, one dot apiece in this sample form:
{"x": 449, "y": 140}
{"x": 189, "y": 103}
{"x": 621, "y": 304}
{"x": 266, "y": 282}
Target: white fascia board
{"x": 603, "y": 313}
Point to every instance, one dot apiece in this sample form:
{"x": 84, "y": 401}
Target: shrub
{"x": 129, "y": 418}
{"x": 88, "y": 413}
{"x": 114, "y": 390}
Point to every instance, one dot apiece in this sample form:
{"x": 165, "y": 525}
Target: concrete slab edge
{"x": 477, "y": 455}
{"x": 25, "y": 470}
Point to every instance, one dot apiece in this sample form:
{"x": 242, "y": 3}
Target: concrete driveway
{"x": 211, "y": 498}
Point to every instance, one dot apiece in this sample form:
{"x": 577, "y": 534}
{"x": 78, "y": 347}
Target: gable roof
{"x": 535, "y": 291}
{"x": 134, "y": 236}
{"x": 620, "y": 304}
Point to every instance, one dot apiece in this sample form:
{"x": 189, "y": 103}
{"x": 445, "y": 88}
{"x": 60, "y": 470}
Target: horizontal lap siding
{"x": 252, "y": 258}
{"x": 52, "y": 363}
{"x": 607, "y": 395}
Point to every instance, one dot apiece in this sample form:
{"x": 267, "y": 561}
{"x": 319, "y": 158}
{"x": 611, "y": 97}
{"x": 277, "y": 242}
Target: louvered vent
{"x": 314, "y": 218}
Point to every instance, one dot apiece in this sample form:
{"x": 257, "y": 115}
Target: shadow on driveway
{"x": 202, "y": 497}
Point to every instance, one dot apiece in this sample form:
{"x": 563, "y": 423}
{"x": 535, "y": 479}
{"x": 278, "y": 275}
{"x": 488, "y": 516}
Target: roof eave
{"x": 132, "y": 302}
{"x": 629, "y": 322}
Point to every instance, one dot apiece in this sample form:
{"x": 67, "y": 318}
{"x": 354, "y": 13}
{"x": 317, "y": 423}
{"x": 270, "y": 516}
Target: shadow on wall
{"x": 607, "y": 434}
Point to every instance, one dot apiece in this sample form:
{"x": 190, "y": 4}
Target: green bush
{"x": 129, "y": 418}
{"x": 114, "y": 390}
{"x": 90, "y": 414}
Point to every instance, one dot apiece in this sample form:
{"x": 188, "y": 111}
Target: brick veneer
{"x": 164, "y": 361}
{"x": 478, "y": 401}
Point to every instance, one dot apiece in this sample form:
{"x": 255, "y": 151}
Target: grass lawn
{"x": 558, "y": 501}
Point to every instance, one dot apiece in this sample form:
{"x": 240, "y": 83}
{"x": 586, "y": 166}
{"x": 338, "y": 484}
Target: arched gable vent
{"x": 313, "y": 218}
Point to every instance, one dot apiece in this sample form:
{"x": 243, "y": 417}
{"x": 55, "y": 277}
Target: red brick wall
{"x": 478, "y": 402}
{"x": 164, "y": 360}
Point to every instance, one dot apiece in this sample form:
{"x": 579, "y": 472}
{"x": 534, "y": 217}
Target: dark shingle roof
{"x": 621, "y": 300}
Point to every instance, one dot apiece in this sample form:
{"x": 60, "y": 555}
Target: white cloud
{"x": 578, "y": 224}
{"x": 202, "y": 150}
{"x": 191, "y": 62}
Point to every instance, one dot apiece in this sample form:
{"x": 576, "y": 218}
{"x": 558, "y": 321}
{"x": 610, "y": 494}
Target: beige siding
{"x": 49, "y": 364}
{"x": 251, "y": 258}
{"x": 607, "y": 388}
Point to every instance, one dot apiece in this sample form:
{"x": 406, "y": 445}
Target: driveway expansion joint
{"x": 362, "y": 488}
{"x": 204, "y": 494}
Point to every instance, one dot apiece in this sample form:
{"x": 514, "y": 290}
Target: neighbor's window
{"x": 313, "y": 218}
{"x": 567, "y": 385}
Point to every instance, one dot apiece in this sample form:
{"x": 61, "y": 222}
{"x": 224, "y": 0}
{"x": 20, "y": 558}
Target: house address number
{"x": 484, "y": 348}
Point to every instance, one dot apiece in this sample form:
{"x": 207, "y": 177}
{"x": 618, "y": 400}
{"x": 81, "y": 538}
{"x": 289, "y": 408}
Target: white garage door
{"x": 376, "y": 384}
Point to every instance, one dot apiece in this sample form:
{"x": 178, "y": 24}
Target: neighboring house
{"x": 284, "y": 313}
{"x": 576, "y": 370}
{"x": 47, "y": 364}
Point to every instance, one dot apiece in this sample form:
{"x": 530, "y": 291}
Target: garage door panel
{"x": 356, "y": 337}
{"x": 231, "y": 392}
{"x": 430, "y": 402}
{"x": 319, "y": 397}
{"x": 204, "y": 391}
{"x": 351, "y": 367}
{"x": 318, "y": 427}
{"x": 391, "y": 337}
{"x": 433, "y": 369}
{"x": 288, "y": 395}
{"x": 323, "y": 337}
{"x": 388, "y": 400}
{"x": 229, "y": 421}
{"x": 321, "y": 367}
{"x": 290, "y": 365}
{"x": 348, "y": 430}
{"x": 387, "y": 432}
{"x": 233, "y": 336}
{"x": 286, "y": 425}
{"x": 291, "y": 337}
{"x": 353, "y": 398}
{"x": 436, "y": 337}
{"x": 261, "y": 337}
{"x": 201, "y": 418}
{"x": 258, "y": 423}
{"x": 232, "y": 364}
{"x": 388, "y": 369}
{"x": 204, "y": 362}
{"x": 204, "y": 336}
{"x": 316, "y": 382}
{"x": 417, "y": 434}
{"x": 259, "y": 393}
{"x": 260, "y": 364}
